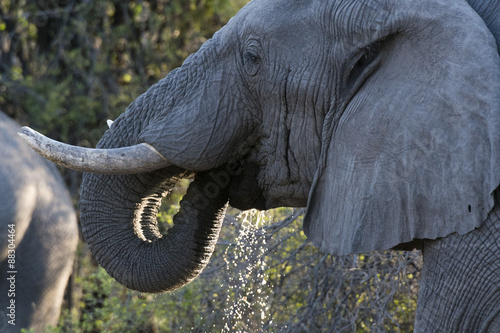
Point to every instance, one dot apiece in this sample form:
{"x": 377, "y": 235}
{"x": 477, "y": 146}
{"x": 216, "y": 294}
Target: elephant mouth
{"x": 244, "y": 191}
{"x": 240, "y": 180}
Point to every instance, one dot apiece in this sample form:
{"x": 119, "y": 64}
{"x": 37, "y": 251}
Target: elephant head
{"x": 381, "y": 116}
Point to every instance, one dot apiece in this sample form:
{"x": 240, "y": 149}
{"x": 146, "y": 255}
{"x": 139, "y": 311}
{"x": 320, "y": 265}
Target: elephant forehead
{"x": 276, "y": 16}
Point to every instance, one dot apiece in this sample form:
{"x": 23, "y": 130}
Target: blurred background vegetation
{"x": 66, "y": 66}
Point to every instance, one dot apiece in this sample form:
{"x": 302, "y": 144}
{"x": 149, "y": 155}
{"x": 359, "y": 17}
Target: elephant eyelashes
{"x": 363, "y": 65}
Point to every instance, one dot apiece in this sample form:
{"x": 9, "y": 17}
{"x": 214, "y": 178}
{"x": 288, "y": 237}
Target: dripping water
{"x": 248, "y": 288}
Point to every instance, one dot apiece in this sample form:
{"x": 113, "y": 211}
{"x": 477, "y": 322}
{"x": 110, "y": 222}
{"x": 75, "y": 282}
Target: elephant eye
{"x": 364, "y": 63}
{"x": 251, "y": 61}
{"x": 249, "y": 56}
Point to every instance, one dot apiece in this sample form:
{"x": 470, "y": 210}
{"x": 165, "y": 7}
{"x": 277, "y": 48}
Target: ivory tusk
{"x": 109, "y": 122}
{"x": 127, "y": 160}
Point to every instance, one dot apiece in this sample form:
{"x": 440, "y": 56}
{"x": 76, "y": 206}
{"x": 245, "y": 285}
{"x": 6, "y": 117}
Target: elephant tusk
{"x": 109, "y": 122}
{"x": 126, "y": 160}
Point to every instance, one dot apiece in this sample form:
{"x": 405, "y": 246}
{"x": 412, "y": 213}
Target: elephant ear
{"x": 415, "y": 153}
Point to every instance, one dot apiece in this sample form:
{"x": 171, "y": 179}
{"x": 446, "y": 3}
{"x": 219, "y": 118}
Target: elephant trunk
{"x": 180, "y": 124}
{"x": 121, "y": 229}
{"x": 119, "y": 212}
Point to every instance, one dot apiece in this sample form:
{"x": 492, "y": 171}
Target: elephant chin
{"x": 118, "y": 218}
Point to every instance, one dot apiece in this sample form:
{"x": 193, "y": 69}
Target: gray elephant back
{"x": 24, "y": 172}
{"x": 34, "y": 199}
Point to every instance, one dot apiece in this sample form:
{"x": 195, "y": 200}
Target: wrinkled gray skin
{"x": 34, "y": 198}
{"x": 381, "y": 116}
{"x": 460, "y": 284}
{"x": 489, "y": 10}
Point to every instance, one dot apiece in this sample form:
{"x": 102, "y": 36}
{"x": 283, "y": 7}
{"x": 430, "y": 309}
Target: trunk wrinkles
{"x": 121, "y": 229}
{"x": 460, "y": 286}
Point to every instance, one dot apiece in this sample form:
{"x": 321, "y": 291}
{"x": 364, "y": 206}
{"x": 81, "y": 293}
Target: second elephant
{"x": 38, "y": 235}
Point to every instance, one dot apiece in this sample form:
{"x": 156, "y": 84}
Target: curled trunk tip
{"x": 121, "y": 229}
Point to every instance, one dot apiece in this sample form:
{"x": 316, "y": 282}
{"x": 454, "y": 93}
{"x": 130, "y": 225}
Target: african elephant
{"x": 382, "y": 117}
{"x": 38, "y": 235}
